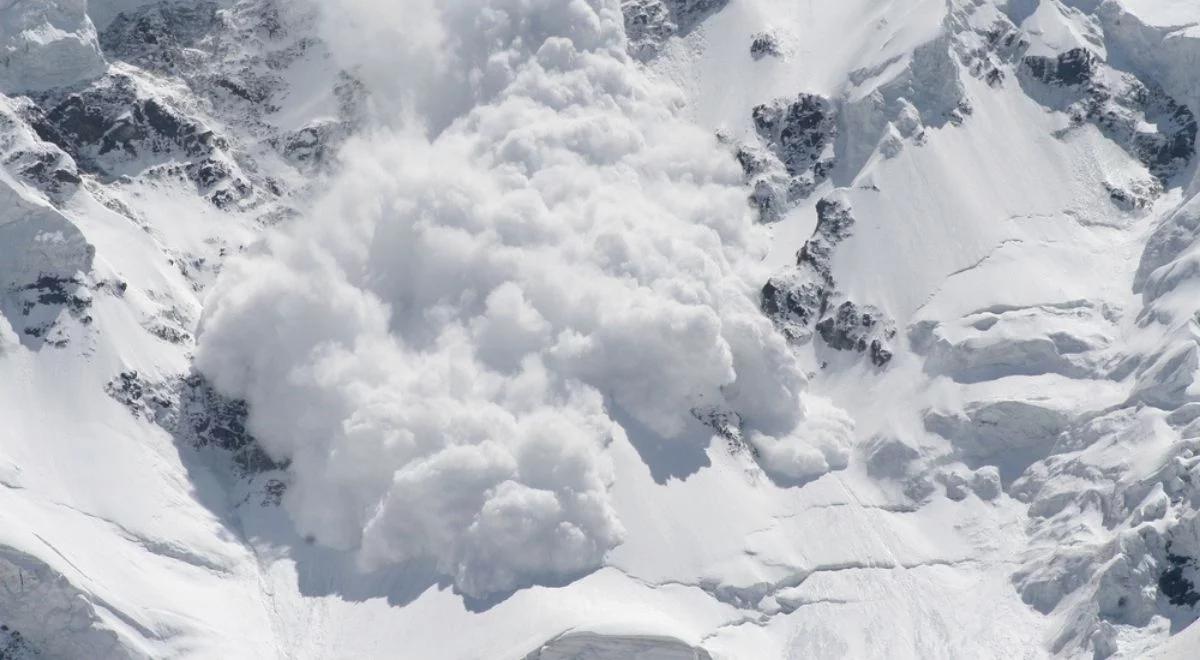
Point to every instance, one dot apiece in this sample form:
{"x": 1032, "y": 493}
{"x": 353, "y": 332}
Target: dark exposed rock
{"x": 1176, "y": 582}
{"x": 112, "y": 122}
{"x": 764, "y": 44}
{"x": 1138, "y": 115}
{"x": 796, "y": 155}
{"x": 1135, "y": 196}
{"x": 50, "y": 290}
{"x": 799, "y": 300}
{"x": 13, "y": 646}
{"x": 727, "y": 424}
{"x": 41, "y": 304}
{"x": 52, "y": 172}
{"x": 768, "y": 181}
{"x": 312, "y": 146}
{"x": 798, "y": 132}
{"x": 142, "y": 399}
{"x": 1073, "y": 68}
{"x": 39, "y": 164}
{"x": 990, "y": 58}
{"x": 650, "y": 23}
{"x": 793, "y": 305}
{"x": 864, "y": 329}
{"x": 197, "y": 416}
{"x": 273, "y": 492}
{"x": 160, "y": 36}
{"x": 796, "y": 299}
{"x": 114, "y": 128}
{"x": 208, "y": 419}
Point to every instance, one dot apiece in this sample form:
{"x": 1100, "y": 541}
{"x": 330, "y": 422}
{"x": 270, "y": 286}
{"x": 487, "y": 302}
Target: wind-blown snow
{"x": 446, "y": 345}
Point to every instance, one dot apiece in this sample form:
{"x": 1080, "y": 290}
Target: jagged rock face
{"x": 797, "y": 298}
{"x": 649, "y": 23}
{"x": 162, "y": 36}
{"x": 197, "y": 416}
{"x": 794, "y": 153}
{"x": 803, "y": 298}
{"x": 116, "y": 128}
{"x": 1074, "y": 68}
{"x": 858, "y": 329}
{"x": 41, "y": 165}
{"x": 800, "y": 133}
{"x": 109, "y": 123}
{"x": 1137, "y": 115}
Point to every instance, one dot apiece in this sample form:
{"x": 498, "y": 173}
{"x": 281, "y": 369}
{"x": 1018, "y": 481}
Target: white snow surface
{"x": 502, "y": 348}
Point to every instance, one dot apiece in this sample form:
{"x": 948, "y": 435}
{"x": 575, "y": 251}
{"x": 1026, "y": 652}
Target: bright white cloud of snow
{"x": 540, "y": 247}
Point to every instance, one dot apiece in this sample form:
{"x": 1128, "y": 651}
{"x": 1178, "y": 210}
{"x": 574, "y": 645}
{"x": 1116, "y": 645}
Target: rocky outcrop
{"x": 196, "y": 415}
{"x": 804, "y": 298}
{"x": 797, "y": 298}
{"x": 1133, "y": 112}
{"x": 862, "y": 329}
{"x": 797, "y": 134}
{"x": 765, "y": 44}
{"x": 650, "y": 23}
{"x": 118, "y": 127}
{"x": 162, "y": 36}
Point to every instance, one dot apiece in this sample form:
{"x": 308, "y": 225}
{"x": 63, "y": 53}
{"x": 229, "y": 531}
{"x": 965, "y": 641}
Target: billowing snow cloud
{"x": 441, "y": 348}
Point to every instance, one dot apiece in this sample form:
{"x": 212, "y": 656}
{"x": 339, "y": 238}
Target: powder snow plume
{"x": 443, "y": 347}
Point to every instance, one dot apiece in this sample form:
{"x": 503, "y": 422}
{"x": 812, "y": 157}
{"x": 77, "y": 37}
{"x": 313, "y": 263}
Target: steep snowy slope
{"x": 719, "y": 329}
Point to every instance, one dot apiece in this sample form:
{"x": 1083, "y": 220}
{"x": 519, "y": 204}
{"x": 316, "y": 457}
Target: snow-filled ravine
{"x": 599, "y": 329}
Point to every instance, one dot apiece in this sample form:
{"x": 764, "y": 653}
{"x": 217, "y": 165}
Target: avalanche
{"x": 599, "y": 328}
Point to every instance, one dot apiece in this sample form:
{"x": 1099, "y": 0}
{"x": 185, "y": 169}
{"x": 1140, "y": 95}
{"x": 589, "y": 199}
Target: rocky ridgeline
{"x": 188, "y": 95}
{"x": 41, "y": 165}
{"x": 178, "y": 96}
{"x": 805, "y": 298}
{"x": 116, "y": 127}
{"x": 206, "y": 47}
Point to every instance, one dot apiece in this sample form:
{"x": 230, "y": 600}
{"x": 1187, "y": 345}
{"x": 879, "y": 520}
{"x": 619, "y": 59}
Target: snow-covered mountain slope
{"x": 728, "y": 329}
